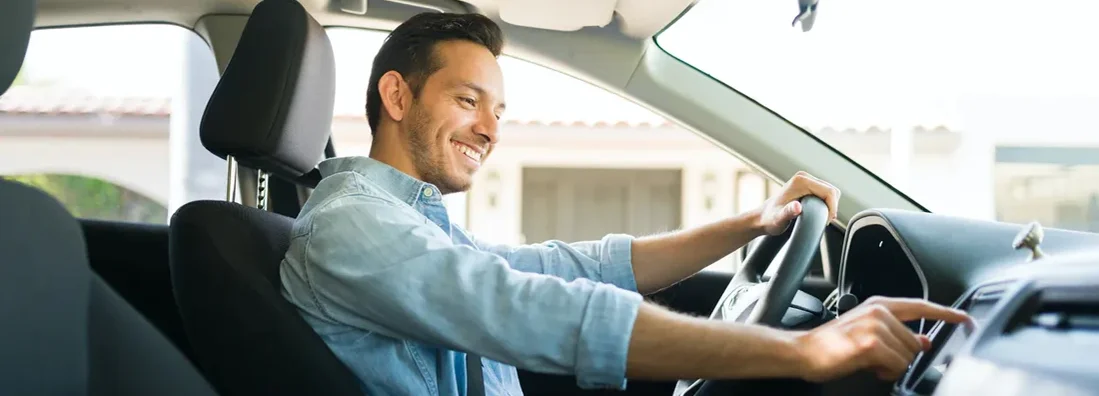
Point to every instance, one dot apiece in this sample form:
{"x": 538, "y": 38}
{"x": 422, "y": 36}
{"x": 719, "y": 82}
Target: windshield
{"x": 982, "y": 109}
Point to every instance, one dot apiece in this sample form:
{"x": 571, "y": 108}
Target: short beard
{"x": 428, "y": 159}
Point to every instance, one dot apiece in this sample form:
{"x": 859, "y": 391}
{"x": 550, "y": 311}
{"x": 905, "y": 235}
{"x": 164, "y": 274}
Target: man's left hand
{"x": 780, "y": 209}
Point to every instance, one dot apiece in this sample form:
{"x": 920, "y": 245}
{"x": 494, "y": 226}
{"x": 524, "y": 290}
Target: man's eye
{"x": 468, "y": 100}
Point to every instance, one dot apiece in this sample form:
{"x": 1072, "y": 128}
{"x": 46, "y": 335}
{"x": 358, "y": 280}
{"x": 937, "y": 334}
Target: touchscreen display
{"x": 956, "y": 336}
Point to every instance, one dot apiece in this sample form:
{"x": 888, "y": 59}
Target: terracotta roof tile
{"x": 47, "y": 101}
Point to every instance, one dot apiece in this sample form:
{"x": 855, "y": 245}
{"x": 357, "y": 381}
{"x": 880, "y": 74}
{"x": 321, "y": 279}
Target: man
{"x": 399, "y": 293}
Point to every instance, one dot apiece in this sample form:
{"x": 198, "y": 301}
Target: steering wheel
{"x": 750, "y": 298}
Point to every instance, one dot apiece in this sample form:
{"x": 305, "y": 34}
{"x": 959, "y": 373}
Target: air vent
{"x": 1088, "y": 321}
{"x": 990, "y": 292}
{"x": 1059, "y": 308}
{"x": 982, "y": 301}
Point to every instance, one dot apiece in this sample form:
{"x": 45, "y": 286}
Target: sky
{"x": 866, "y": 62}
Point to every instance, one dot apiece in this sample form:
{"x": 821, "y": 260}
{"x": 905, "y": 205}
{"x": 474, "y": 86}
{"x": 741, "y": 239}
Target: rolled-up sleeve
{"x": 607, "y": 260}
{"x": 384, "y": 269}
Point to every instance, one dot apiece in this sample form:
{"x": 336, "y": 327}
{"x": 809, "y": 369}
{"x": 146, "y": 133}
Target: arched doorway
{"x": 94, "y": 198}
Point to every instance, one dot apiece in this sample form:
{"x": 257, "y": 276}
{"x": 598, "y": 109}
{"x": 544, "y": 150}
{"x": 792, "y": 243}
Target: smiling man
{"x": 401, "y": 294}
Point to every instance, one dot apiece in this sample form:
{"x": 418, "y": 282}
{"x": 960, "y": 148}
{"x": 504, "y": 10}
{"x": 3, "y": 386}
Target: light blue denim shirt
{"x": 400, "y": 294}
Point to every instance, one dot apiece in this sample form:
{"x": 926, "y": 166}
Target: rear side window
{"x": 105, "y": 119}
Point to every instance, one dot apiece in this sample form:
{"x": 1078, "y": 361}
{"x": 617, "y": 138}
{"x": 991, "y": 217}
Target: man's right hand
{"x": 870, "y": 337}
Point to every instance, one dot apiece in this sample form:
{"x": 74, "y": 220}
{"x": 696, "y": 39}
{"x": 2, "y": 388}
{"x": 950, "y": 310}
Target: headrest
{"x": 272, "y": 108}
{"x": 16, "y": 23}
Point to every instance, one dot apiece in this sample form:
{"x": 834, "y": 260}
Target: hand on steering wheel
{"x": 781, "y": 209}
{"x": 748, "y": 299}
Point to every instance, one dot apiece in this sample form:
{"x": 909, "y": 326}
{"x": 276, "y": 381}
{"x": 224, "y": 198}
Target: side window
{"x": 105, "y": 119}
{"x": 575, "y": 162}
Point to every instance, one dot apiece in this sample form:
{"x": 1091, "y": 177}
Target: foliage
{"x": 93, "y": 198}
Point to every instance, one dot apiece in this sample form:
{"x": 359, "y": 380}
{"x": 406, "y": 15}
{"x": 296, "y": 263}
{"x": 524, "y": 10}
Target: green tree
{"x": 20, "y": 78}
{"x": 92, "y": 198}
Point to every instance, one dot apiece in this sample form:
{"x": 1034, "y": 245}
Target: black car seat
{"x": 271, "y": 111}
{"x": 63, "y": 330}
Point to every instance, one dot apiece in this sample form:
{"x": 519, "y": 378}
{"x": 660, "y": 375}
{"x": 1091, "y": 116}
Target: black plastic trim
{"x": 871, "y": 218}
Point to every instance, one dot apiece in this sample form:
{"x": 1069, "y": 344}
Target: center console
{"x": 1035, "y": 334}
{"x": 949, "y": 339}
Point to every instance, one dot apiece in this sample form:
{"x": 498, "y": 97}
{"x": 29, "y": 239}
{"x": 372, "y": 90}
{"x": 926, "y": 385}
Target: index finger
{"x": 906, "y": 309}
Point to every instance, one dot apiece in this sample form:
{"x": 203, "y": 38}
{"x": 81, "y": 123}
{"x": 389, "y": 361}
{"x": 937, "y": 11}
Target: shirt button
{"x": 428, "y": 192}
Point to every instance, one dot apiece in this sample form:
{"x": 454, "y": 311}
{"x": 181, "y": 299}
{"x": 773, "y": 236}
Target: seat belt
{"x": 475, "y": 380}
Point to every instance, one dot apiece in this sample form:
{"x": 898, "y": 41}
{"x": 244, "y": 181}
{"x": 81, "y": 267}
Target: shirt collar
{"x": 387, "y": 177}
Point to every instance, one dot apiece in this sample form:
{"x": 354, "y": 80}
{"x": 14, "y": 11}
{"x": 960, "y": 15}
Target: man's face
{"x": 451, "y": 126}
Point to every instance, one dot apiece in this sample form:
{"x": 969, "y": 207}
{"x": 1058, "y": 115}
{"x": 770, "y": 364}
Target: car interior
{"x": 194, "y": 307}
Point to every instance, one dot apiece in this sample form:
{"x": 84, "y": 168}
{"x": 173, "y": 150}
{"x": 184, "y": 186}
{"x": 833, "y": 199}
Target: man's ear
{"x": 396, "y": 95}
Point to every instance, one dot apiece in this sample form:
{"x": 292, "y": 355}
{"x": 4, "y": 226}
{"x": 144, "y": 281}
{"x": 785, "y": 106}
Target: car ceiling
{"x": 638, "y": 19}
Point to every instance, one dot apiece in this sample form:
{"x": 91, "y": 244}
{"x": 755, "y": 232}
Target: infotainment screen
{"x": 949, "y": 339}
{"x": 940, "y": 362}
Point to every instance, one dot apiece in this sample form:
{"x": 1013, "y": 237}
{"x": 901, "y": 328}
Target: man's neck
{"x": 389, "y": 150}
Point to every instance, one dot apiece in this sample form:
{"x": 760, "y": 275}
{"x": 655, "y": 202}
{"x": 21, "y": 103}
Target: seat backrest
{"x": 248, "y": 338}
{"x": 62, "y": 329}
{"x": 272, "y": 110}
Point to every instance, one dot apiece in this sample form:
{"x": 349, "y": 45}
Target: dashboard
{"x": 1036, "y": 316}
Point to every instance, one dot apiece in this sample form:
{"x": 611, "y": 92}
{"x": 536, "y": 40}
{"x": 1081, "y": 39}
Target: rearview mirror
{"x": 807, "y": 14}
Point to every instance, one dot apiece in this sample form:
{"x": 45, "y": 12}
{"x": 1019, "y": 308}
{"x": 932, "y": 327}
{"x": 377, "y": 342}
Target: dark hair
{"x": 409, "y": 50}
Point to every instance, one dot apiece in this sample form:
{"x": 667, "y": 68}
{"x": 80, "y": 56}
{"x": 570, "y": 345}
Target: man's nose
{"x": 488, "y": 127}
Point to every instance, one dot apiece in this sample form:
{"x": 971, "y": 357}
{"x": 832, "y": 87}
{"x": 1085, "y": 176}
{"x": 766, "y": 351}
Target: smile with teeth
{"x": 468, "y": 151}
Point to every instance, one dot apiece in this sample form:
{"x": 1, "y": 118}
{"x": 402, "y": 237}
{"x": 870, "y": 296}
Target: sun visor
{"x": 639, "y": 18}
{"x": 562, "y": 15}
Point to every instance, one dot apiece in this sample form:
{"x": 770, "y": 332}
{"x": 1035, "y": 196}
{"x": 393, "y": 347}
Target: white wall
{"x": 139, "y": 164}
